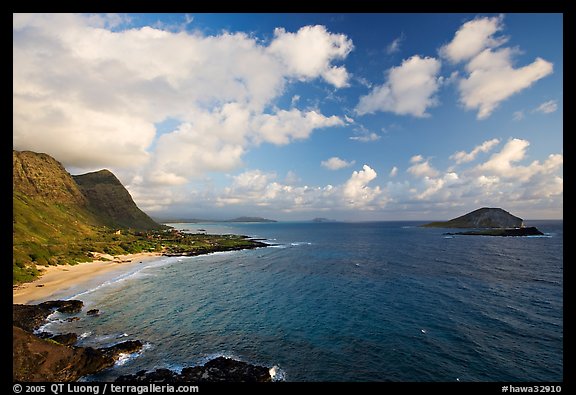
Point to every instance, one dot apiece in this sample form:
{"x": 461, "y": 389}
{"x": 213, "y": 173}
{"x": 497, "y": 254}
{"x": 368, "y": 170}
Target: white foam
{"x": 123, "y": 358}
{"x": 277, "y": 374}
{"x": 134, "y": 273}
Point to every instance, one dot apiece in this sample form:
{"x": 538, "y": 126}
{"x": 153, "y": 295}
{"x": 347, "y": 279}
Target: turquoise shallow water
{"x": 382, "y": 301}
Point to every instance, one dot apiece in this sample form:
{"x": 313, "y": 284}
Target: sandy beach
{"x": 59, "y": 278}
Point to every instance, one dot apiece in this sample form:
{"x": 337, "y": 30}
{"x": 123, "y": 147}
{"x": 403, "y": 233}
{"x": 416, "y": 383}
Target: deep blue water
{"x": 382, "y": 301}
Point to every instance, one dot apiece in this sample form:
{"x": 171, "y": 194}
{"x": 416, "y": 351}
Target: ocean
{"x": 372, "y": 301}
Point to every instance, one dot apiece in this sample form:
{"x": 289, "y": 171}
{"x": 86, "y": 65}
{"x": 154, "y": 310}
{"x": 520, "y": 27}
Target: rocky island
{"x": 487, "y": 221}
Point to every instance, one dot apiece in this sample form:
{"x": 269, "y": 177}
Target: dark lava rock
{"x": 93, "y": 312}
{"x": 525, "y": 231}
{"x": 67, "y": 339}
{"x": 220, "y": 369}
{"x": 32, "y": 317}
{"x": 127, "y": 347}
{"x": 36, "y": 359}
{"x": 64, "y": 306}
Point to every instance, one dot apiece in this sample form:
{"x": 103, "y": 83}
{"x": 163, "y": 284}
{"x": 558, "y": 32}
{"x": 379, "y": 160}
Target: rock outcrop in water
{"x": 220, "y": 369}
{"x": 49, "y": 357}
{"x": 526, "y": 231}
{"x": 36, "y": 359}
{"x": 31, "y": 317}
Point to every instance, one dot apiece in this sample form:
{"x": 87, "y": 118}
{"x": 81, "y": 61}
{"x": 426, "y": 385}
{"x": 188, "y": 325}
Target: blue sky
{"x": 295, "y": 116}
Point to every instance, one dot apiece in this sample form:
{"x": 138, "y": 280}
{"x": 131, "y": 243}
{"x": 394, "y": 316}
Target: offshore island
{"x": 487, "y": 221}
{"x": 67, "y": 228}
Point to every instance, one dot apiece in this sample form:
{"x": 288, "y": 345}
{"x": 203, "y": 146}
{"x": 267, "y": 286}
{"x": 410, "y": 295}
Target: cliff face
{"x": 111, "y": 202}
{"x": 41, "y": 177}
{"x": 485, "y": 217}
{"x": 97, "y": 198}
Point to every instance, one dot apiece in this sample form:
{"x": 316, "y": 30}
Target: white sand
{"x": 58, "y": 278}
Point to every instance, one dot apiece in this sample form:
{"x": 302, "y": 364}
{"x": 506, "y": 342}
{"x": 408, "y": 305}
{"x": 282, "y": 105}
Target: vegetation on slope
{"x": 60, "y": 219}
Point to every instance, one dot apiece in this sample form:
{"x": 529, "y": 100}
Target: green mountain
{"x": 58, "y": 221}
{"x": 485, "y": 217}
{"x": 111, "y": 203}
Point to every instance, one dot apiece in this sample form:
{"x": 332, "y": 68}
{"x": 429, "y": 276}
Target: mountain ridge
{"x": 109, "y": 200}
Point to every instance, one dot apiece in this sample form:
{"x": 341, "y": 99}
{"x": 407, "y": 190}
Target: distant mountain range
{"x": 204, "y": 221}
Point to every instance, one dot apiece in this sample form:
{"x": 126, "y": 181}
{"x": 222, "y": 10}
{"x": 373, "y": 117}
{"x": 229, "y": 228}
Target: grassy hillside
{"x": 60, "y": 219}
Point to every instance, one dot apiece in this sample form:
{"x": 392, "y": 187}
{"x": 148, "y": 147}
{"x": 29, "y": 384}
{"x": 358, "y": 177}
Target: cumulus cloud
{"x": 409, "y": 90}
{"x": 261, "y": 189}
{"x": 421, "y": 167}
{"x": 356, "y": 189}
{"x": 472, "y": 38}
{"x": 336, "y": 163}
{"x": 285, "y": 126}
{"x": 547, "y": 107}
{"x": 491, "y": 76}
{"x": 463, "y": 156}
{"x": 91, "y": 96}
{"x": 433, "y": 186}
{"x": 503, "y": 163}
{"x": 308, "y": 53}
{"x": 492, "y": 79}
{"x": 508, "y": 178}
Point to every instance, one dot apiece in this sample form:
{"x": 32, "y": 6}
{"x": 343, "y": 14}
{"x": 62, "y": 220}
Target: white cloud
{"x": 394, "y": 46}
{"x": 252, "y": 180}
{"x": 409, "y": 90}
{"x": 416, "y": 159}
{"x": 421, "y": 168}
{"x": 472, "y": 38}
{"x": 91, "y": 96}
{"x": 356, "y": 190}
{"x": 308, "y": 53}
{"x": 518, "y": 115}
{"x": 462, "y": 156}
{"x": 285, "y": 126}
{"x": 503, "y": 164}
{"x": 336, "y": 163}
{"x": 502, "y": 180}
{"x": 295, "y": 99}
{"x": 366, "y": 138}
{"x": 491, "y": 76}
{"x": 431, "y": 187}
{"x": 492, "y": 79}
{"x": 547, "y": 107}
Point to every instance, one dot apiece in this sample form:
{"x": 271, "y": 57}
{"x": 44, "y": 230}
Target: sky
{"x": 350, "y": 117}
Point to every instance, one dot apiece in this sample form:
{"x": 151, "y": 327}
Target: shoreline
{"x": 56, "y": 279}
